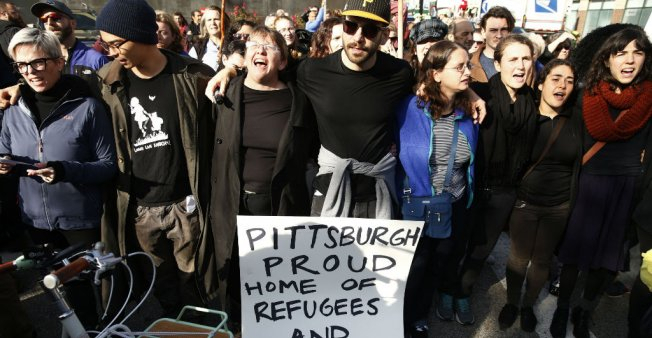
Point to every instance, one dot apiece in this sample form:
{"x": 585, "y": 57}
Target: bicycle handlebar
{"x": 17, "y": 264}
{"x": 67, "y": 272}
{"x": 7, "y": 267}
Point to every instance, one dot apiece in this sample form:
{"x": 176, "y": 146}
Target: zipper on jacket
{"x": 43, "y": 195}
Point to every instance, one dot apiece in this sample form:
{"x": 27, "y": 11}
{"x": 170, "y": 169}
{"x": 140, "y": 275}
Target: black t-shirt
{"x": 265, "y": 116}
{"x": 160, "y": 175}
{"x": 549, "y": 183}
{"x": 355, "y": 110}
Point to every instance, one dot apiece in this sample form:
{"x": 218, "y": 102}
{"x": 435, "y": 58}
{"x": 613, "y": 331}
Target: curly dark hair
{"x": 320, "y": 43}
{"x": 599, "y": 69}
{"x": 431, "y": 94}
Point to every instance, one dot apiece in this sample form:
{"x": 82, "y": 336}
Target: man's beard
{"x": 360, "y": 59}
{"x": 64, "y": 34}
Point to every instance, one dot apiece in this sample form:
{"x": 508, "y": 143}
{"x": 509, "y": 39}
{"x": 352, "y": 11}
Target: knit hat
{"x": 38, "y": 9}
{"x": 133, "y": 20}
{"x": 429, "y": 29}
{"x": 377, "y": 10}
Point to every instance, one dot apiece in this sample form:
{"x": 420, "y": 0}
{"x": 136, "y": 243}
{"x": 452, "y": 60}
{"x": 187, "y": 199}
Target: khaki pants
{"x": 170, "y": 235}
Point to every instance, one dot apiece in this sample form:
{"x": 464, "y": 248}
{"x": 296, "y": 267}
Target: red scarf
{"x": 598, "y": 120}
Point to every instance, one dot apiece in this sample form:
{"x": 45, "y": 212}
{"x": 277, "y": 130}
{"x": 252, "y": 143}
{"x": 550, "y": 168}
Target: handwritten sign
{"x": 308, "y": 277}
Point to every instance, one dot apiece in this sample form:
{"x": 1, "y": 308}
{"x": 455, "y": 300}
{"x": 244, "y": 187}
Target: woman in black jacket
{"x": 504, "y": 148}
{"x": 261, "y": 148}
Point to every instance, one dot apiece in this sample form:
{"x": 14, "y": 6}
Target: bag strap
{"x": 551, "y": 139}
{"x": 599, "y": 144}
{"x": 451, "y": 156}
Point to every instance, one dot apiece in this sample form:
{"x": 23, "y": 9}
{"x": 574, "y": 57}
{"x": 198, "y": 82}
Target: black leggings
{"x": 436, "y": 264}
{"x": 534, "y": 233}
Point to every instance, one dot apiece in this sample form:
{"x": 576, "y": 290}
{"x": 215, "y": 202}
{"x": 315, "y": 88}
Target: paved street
{"x": 487, "y": 300}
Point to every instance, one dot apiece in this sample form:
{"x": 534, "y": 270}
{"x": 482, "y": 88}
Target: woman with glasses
{"x": 298, "y": 50}
{"x": 544, "y": 195}
{"x": 262, "y": 139}
{"x": 58, "y": 139}
{"x": 436, "y": 145}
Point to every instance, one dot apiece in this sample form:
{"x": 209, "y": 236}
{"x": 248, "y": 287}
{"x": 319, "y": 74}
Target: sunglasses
{"x": 369, "y": 30}
{"x": 243, "y": 37}
{"x": 53, "y": 16}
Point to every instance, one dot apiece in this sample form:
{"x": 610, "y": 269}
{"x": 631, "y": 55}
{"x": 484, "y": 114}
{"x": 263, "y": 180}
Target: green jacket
{"x": 197, "y": 123}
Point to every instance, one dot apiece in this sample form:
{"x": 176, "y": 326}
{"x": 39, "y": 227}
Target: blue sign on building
{"x": 545, "y": 6}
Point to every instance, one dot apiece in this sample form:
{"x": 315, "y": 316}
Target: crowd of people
{"x": 158, "y": 138}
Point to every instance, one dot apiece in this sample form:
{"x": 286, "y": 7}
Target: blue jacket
{"x": 415, "y": 146}
{"x": 84, "y": 60}
{"x": 77, "y": 135}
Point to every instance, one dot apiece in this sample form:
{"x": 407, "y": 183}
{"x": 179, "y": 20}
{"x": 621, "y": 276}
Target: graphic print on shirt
{"x": 150, "y": 133}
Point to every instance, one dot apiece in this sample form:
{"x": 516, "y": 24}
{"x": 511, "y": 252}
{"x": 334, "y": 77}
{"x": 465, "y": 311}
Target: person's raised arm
{"x": 217, "y": 85}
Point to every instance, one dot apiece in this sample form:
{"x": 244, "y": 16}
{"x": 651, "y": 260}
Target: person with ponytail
{"x": 616, "y": 106}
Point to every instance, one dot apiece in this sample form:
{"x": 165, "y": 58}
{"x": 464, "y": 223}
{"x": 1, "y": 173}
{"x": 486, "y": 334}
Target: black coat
{"x": 289, "y": 193}
{"x": 642, "y": 215}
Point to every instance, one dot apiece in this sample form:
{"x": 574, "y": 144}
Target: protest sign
{"x": 308, "y": 277}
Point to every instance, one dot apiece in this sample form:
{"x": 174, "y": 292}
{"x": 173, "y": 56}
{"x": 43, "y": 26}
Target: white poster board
{"x": 310, "y": 277}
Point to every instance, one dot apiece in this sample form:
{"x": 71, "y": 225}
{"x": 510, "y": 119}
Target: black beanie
{"x": 133, "y": 20}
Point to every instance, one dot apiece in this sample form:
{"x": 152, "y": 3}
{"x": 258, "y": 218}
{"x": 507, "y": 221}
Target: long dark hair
{"x": 599, "y": 70}
{"x": 431, "y": 94}
{"x": 320, "y": 44}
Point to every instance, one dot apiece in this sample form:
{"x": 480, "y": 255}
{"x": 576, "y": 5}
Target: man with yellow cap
{"x": 354, "y": 93}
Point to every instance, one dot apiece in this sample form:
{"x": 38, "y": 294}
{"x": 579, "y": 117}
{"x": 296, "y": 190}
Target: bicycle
{"x": 99, "y": 263}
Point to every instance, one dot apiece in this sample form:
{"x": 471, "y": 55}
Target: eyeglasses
{"x": 461, "y": 67}
{"x": 36, "y": 65}
{"x": 51, "y": 16}
{"x": 369, "y": 30}
{"x": 114, "y": 45}
{"x": 243, "y": 37}
{"x": 479, "y": 42}
{"x": 265, "y": 47}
